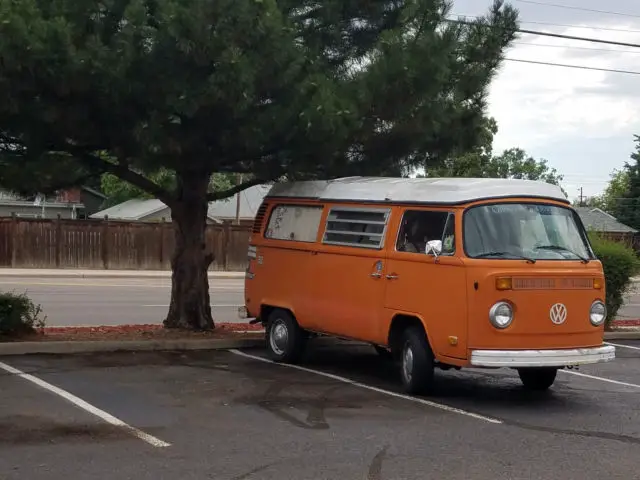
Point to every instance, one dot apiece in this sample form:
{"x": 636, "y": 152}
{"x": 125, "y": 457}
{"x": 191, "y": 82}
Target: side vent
{"x": 257, "y": 222}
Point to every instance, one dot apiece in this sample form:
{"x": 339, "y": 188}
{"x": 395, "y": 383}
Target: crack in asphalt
{"x": 577, "y": 433}
{"x": 275, "y": 404}
{"x": 375, "y": 468}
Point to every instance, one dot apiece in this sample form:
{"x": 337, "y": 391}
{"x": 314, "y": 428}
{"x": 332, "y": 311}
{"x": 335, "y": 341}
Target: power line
{"x": 623, "y": 30}
{"x": 580, "y": 67}
{"x": 570, "y": 7}
{"x": 609, "y": 50}
{"x": 585, "y": 27}
{"x": 555, "y": 35}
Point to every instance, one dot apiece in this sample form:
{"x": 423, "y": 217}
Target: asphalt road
{"x": 224, "y": 416}
{"x": 98, "y": 301}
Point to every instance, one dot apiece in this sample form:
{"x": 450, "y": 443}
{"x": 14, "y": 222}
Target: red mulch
{"x": 627, "y": 323}
{"x": 158, "y": 332}
{"x": 139, "y": 332}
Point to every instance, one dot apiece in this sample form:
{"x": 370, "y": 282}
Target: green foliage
{"x": 626, "y": 206}
{"x": 613, "y": 195}
{"x": 118, "y": 191}
{"x": 620, "y": 264}
{"x": 19, "y": 315}
{"x": 512, "y": 163}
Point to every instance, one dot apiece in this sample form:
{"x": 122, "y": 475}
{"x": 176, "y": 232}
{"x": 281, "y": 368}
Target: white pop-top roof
{"x": 416, "y": 190}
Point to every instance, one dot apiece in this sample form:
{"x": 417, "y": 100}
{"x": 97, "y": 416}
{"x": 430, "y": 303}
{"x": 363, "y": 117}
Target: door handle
{"x": 376, "y": 275}
{"x": 393, "y": 276}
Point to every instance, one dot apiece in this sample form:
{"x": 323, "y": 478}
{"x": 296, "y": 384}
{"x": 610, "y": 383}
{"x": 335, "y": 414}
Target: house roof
{"x": 137, "y": 209}
{"x": 250, "y": 200}
{"x": 134, "y": 209}
{"x": 597, "y": 219}
{"x": 417, "y": 190}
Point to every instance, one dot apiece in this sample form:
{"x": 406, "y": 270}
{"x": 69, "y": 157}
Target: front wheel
{"x": 416, "y": 360}
{"x": 537, "y": 379}
{"x": 284, "y": 337}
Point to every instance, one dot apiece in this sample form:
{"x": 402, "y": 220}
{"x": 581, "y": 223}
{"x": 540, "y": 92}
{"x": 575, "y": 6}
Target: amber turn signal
{"x": 503, "y": 283}
{"x": 598, "y": 283}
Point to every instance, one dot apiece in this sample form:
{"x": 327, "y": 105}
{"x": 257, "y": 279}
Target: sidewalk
{"x": 77, "y": 273}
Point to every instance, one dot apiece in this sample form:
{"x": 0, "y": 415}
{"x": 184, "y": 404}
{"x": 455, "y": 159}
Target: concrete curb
{"x": 71, "y": 347}
{"x": 135, "y": 274}
{"x": 622, "y": 335}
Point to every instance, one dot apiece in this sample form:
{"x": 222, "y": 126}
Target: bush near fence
{"x": 108, "y": 244}
{"x": 620, "y": 264}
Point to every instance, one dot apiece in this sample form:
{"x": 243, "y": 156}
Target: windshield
{"x": 524, "y": 230}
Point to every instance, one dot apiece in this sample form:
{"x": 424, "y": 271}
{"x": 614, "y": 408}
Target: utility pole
{"x": 581, "y": 198}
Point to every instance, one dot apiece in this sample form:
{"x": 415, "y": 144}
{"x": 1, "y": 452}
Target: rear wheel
{"x": 537, "y": 379}
{"x": 284, "y": 337}
{"x": 416, "y": 361}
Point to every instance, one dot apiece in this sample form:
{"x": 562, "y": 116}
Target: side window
{"x": 356, "y": 227}
{"x": 419, "y": 227}
{"x": 298, "y": 223}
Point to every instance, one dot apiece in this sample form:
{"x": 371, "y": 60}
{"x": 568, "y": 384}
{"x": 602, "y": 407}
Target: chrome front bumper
{"x": 542, "y": 358}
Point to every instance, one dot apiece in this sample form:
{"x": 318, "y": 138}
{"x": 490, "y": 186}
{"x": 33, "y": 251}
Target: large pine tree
{"x": 266, "y": 88}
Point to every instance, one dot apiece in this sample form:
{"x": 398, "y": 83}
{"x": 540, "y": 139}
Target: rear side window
{"x": 356, "y": 227}
{"x": 298, "y": 223}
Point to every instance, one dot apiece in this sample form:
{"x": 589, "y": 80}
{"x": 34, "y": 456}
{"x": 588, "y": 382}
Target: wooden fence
{"x": 107, "y": 244}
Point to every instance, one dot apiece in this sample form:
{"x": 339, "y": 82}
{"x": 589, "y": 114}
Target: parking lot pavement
{"x": 228, "y": 416}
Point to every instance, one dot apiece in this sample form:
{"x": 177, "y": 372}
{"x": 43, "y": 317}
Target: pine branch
{"x": 213, "y": 196}
{"x": 124, "y": 173}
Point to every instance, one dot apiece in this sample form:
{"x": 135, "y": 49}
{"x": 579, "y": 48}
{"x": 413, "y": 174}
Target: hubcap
{"x": 278, "y": 338}
{"x": 407, "y": 363}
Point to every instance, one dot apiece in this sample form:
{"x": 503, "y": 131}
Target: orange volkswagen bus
{"x": 435, "y": 273}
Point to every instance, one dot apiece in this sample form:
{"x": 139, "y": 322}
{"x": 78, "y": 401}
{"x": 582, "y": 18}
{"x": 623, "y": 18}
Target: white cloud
{"x": 555, "y": 112}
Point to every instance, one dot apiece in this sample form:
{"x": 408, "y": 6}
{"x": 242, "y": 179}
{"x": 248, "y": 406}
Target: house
{"x": 244, "y": 205}
{"x": 600, "y": 221}
{"x": 74, "y": 203}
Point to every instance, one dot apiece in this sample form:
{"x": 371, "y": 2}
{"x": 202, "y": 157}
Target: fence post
{"x": 162, "y": 228}
{"x": 226, "y": 240}
{"x": 58, "y": 243}
{"x": 105, "y": 243}
{"x": 14, "y": 238}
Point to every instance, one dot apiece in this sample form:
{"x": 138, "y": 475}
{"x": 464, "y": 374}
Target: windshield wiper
{"x": 558, "y": 247}
{"x": 505, "y": 254}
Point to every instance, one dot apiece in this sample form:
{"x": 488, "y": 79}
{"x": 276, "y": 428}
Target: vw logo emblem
{"x": 558, "y": 313}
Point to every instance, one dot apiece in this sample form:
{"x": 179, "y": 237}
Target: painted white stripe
{"x": 213, "y": 305}
{"x": 374, "y": 389}
{"x": 212, "y": 286}
{"x": 145, "y": 437}
{"x": 622, "y": 346}
{"x": 602, "y": 379}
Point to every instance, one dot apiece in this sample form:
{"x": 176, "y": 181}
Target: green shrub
{"x": 19, "y": 315}
{"x": 620, "y": 264}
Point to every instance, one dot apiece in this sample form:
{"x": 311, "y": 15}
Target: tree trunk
{"x": 190, "y": 306}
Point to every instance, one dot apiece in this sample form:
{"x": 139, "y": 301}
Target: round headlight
{"x": 597, "y": 313}
{"x": 501, "y": 315}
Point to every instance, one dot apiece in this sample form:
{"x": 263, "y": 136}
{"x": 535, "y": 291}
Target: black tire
{"x": 537, "y": 379}
{"x": 291, "y": 344}
{"x": 383, "y": 352}
{"x": 416, "y": 362}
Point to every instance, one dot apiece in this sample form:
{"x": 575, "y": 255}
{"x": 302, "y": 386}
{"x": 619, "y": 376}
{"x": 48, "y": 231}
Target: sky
{"x": 582, "y": 122}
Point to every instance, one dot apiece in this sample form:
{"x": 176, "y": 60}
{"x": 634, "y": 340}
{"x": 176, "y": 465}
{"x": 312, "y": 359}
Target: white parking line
{"x": 374, "y": 389}
{"x": 145, "y": 437}
{"x": 622, "y": 346}
{"x": 602, "y": 379}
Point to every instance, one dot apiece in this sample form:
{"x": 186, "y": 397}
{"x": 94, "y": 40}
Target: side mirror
{"x": 434, "y": 247}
